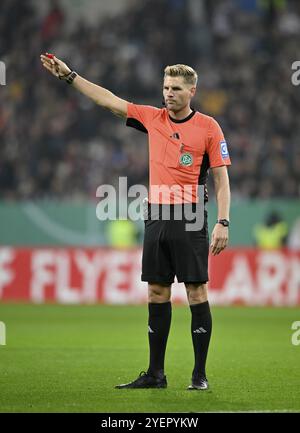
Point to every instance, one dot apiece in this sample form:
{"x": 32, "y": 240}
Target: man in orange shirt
{"x": 183, "y": 145}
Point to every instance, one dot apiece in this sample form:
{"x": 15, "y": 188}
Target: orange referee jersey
{"x": 180, "y": 151}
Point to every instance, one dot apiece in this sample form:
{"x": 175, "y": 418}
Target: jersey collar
{"x": 183, "y": 120}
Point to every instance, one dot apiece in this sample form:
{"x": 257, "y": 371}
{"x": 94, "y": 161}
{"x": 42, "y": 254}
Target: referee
{"x": 183, "y": 145}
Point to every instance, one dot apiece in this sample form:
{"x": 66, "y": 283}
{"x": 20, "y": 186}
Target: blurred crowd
{"x": 55, "y": 143}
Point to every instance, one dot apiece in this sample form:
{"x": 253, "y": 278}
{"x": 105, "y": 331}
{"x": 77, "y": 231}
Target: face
{"x": 177, "y": 93}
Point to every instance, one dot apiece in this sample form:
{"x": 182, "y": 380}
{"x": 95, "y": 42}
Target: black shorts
{"x": 169, "y": 250}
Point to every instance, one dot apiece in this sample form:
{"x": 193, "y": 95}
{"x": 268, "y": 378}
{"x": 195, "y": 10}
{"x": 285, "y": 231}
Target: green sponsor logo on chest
{"x": 186, "y": 159}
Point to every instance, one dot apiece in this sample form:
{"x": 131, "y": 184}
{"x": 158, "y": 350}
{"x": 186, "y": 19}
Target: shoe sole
{"x": 196, "y": 388}
{"x": 140, "y": 387}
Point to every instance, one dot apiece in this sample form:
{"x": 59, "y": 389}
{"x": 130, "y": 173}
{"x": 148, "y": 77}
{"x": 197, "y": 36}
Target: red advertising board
{"x": 88, "y": 275}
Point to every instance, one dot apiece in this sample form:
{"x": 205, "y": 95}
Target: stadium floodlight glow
{"x": 2, "y": 74}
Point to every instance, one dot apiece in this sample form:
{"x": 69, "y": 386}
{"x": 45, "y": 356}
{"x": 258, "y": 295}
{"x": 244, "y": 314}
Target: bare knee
{"x": 159, "y": 293}
{"x": 196, "y": 292}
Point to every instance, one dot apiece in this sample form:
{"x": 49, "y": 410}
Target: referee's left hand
{"x": 219, "y": 239}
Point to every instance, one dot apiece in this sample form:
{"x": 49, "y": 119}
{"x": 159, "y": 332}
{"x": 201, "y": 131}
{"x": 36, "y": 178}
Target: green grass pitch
{"x": 68, "y": 359}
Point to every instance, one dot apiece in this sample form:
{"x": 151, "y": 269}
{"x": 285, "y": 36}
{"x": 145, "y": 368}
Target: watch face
{"x": 225, "y": 223}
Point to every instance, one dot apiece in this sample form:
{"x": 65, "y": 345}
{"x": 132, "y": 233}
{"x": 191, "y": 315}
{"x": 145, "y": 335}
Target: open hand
{"x": 55, "y": 66}
{"x": 219, "y": 239}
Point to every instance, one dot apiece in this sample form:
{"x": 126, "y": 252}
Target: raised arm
{"x": 98, "y": 94}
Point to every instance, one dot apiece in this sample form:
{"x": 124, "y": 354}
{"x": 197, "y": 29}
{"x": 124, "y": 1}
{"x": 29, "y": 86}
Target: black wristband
{"x": 69, "y": 77}
{"x": 63, "y": 77}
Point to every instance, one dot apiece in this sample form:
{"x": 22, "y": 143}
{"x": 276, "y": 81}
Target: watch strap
{"x": 68, "y": 77}
{"x": 224, "y": 222}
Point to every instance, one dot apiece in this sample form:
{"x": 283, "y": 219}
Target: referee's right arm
{"x": 101, "y": 96}
{"x": 98, "y": 94}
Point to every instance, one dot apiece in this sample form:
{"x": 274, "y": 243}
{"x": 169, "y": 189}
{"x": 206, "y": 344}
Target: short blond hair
{"x": 189, "y": 74}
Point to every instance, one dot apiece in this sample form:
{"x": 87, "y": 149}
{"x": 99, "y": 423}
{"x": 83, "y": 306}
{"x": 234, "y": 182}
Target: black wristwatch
{"x": 68, "y": 77}
{"x": 224, "y": 222}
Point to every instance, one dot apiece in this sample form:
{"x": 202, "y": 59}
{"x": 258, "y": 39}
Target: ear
{"x": 193, "y": 91}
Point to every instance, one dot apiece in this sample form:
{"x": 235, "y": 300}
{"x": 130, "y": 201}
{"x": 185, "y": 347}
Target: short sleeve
{"x": 140, "y": 116}
{"x": 216, "y": 146}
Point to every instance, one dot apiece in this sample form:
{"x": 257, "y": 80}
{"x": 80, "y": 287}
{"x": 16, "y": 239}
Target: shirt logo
{"x": 224, "y": 150}
{"x": 200, "y": 331}
{"x": 186, "y": 159}
{"x": 150, "y": 330}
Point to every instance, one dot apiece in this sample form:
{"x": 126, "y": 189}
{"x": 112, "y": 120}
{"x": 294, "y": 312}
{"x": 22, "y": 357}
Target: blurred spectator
{"x": 57, "y": 144}
{"x": 53, "y": 22}
{"x": 122, "y": 233}
{"x": 273, "y": 233}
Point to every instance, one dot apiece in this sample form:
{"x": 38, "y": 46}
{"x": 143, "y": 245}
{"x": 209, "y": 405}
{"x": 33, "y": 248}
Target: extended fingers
{"x": 215, "y": 247}
{"x": 223, "y": 245}
{"x": 44, "y": 58}
{"x": 48, "y": 60}
{"x": 50, "y": 68}
{"x": 218, "y": 244}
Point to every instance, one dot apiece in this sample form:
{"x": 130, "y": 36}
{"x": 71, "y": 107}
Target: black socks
{"x": 158, "y": 330}
{"x": 201, "y": 331}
